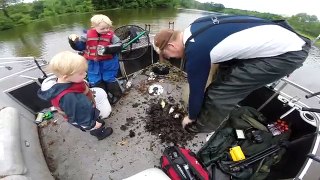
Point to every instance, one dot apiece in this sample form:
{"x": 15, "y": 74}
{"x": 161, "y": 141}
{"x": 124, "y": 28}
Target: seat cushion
{"x": 11, "y": 158}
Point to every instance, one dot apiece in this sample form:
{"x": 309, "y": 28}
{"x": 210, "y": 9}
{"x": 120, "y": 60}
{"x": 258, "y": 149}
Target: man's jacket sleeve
{"x": 198, "y": 68}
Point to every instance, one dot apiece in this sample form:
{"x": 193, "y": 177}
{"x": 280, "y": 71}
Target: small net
{"x": 135, "y": 42}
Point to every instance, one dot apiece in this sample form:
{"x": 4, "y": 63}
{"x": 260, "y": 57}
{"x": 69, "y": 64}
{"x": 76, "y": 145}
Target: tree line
{"x": 15, "y": 12}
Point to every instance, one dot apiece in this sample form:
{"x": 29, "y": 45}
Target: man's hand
{"x": 186, "y": 121}
{"x": 73, "y": 37}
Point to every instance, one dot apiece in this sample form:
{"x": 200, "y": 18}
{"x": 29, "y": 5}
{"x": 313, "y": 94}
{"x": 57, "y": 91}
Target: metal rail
{"x": 287, "y": 81}
{"x": 11, "y": 60}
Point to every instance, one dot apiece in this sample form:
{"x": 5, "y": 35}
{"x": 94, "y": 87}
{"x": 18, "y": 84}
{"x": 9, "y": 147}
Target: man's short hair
{"x": 67, "y": 63}
{"x": 162, "y": 38}
{"x": 98, "y": 18}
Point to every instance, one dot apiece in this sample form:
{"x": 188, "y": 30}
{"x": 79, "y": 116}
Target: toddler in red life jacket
{"x": 103, "y": 64}
{"x": 70, "y": 94}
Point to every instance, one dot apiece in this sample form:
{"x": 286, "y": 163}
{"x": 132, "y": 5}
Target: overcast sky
{"x": 282, "y": 7}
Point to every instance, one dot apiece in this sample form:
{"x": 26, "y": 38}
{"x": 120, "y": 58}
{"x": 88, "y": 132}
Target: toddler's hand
{"x": 73, "y": 37}
{"x": 98, "y": 125}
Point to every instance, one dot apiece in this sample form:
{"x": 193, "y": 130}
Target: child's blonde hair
{"x": 98, "y": 18}
{"x": 67, "y": 63}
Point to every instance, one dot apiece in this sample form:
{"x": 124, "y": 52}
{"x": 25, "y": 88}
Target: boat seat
{"x": 151, "y": 173}
{"x": 11, "y": 158}
{"x": 15, "y": 177}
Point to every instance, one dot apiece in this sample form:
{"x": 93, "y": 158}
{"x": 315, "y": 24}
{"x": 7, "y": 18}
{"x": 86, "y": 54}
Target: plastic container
{"x": 237, "y": 154}
{"x": 102, "y": 102}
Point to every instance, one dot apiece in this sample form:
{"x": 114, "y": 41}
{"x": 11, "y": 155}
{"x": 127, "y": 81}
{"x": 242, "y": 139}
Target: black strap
{"x": 246, "y": 19}
{"x": 197, "y": 32}
{"x": 216, "y": 20}
{"x": 224, "y": 20}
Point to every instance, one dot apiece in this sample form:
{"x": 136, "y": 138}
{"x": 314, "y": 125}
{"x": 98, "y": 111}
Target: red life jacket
{"x": 93, "y": 40}
{"x": 81, "y": 87}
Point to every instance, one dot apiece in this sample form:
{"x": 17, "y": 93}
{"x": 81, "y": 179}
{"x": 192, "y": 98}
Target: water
{"x": 46, "y": 38}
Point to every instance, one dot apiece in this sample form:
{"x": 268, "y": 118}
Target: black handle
{"x": 310, "y": 109}
{"x": 311, "y": 95}
{"x": 259, "y": 155}
{"x": 39, "y": 67}
{"x": 314, "y": 157}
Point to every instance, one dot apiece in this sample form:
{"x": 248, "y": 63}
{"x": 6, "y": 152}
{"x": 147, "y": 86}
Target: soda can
{"x": 100, "y": 50}
{"x": 39, "y": 118}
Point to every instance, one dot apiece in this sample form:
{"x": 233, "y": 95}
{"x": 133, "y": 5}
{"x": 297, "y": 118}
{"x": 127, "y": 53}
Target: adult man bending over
{"x": 251, "y": 52}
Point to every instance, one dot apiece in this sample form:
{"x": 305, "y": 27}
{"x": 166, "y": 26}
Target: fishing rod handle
{"x": 310, "y": 109}
{"x": 313, "y": 94}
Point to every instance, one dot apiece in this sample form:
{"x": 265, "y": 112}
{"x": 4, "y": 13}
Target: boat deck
{"x": 73, "y": 154}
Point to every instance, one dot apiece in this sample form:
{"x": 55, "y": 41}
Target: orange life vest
{"x": 93, "y": 40}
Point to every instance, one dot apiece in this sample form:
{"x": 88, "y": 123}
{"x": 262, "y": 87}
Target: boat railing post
{"x": 147, "y": 28}
{"x": 36, "y": 80}
{"x": 273, "y": 96}
{"x": 316, "y": 39}
{"x": 171, "y": 24}
{"x": 299, "y": 87}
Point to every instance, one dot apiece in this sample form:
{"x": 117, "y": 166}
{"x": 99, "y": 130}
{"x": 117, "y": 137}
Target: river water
{"x": 46, "y": 38}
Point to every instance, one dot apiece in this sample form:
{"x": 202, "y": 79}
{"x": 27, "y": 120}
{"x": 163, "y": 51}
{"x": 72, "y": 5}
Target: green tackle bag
{"x": 261, "y": 151}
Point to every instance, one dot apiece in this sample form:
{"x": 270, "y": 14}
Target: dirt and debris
{"x": 122, "y": 142}
{"x": 132, "y": 133}
{"x": 158, "y": 121}
{"x": 167, "y": 126}
{"x": 135, "y": 105}
{"x": 123, "y": 127}
{"x": 129, "y": 122}
{"x": 161, "y": 69}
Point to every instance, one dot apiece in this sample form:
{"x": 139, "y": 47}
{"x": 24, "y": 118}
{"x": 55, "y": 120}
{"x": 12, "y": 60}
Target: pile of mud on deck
{"x": 164, "y": 113}
{"x": 164, "y": 120}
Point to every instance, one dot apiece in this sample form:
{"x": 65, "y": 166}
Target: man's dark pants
{"x": 235, "y": 82}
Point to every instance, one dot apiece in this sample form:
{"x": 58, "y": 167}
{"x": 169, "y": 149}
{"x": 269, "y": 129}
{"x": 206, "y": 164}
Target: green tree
{"x": 52, "y": 7}
{"x": 70, "y": 5}
{"x": 4, "y": 4}
{"x": 102, "y": 4}
{"x": 305, "y": 18}
{"x": 84, "y": 6}
{"x": 5, "y": 23}
{"x": 306, "y": 24}
{"x": 37, "y": 9}
{"x": 187, "y": 3}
